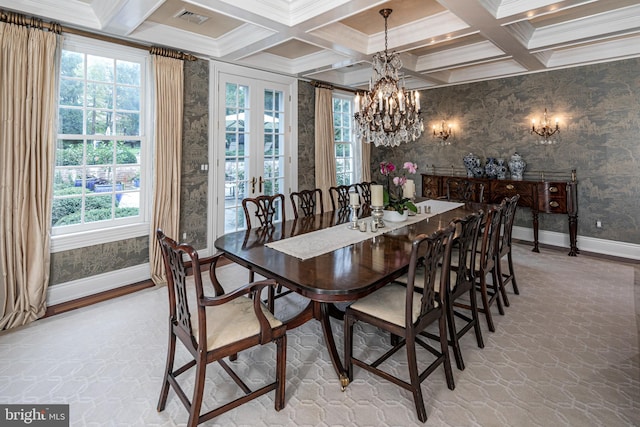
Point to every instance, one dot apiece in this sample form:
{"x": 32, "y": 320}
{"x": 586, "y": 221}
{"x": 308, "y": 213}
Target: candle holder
{"x": 376, "y": 216}
{"x": 354, "y": 217}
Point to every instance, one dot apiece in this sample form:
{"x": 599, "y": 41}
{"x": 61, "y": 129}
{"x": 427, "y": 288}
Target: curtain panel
{"x": 27, "y": 141}
{"x": 169, "y": 83}
{"x": 324, "y": 144}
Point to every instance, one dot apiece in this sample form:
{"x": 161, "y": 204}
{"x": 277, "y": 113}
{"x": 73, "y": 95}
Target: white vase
{"x": 395, "y": 216}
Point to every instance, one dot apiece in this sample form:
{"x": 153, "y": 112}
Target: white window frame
{"x": 356, "y": 148}
{"x": 63, "y": 239}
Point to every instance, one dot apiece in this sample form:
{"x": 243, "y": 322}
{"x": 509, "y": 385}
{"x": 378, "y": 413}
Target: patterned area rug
{"x": 565, "y": 353}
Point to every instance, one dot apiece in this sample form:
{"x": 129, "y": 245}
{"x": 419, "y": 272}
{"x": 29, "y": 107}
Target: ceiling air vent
{"x": 191, "y": 17}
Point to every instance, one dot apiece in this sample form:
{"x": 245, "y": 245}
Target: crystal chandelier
{"x": 545, "y": 130}
{"x": 387, "y": 114}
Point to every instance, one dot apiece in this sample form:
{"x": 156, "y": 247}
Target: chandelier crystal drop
{"x": 388, "y": 114}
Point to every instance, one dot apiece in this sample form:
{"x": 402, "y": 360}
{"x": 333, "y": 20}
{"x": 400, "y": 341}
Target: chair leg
{"x": 281, "y": 369}
{"x": 512, "y": 274}
{"x": 198, "y": 390}
{"x": 485, "y": 304}
{"x": 415, "y": 378}
{"x": 503, "y": 290}
{"x": 444, "y": 348}
{"x": 271, "y": 299}
{"x": 171, "y": 352}
{"x": 473, "y": 299}
{"x": 495, "y": 285}
{"x": 453, "y": 335}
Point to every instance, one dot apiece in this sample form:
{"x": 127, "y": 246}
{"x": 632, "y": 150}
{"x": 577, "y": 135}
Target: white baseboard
{"x": 80, "y": 288}
{"x": 587, "y": 244}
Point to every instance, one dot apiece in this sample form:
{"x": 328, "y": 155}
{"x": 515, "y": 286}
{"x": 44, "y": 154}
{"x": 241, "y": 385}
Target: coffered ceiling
{"x": 441, "y": 42}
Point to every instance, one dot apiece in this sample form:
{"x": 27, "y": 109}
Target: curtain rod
{"x": 19, "y": 19}
{"x": 324, "y": 85}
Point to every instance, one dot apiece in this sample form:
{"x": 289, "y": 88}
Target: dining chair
{"x": 266, "y": 210}
{"x": 364, "y": 190}
{"x": 461, "y": 284}
{"x": 212, "y": 328}
{"x": 404, "y": 312}
{"x": 485, "y": 265}
{"x": 307, "y": 203}
{"x": 505, "y": 249}
{"x": 464, "y": 190}
{"x": 340, "y": 196}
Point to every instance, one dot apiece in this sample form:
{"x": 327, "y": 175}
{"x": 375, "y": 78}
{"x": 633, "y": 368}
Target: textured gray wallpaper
{"x": 306, "y": 136}
{"x": 600, "y": 126}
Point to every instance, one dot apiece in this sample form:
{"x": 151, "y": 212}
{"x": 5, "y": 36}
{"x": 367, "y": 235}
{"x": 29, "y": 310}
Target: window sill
{"x": 97, "y": 237}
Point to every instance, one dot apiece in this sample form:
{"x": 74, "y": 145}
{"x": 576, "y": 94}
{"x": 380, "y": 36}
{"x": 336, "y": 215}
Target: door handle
{"x": 253, "y": 185}
{"x": 260, "y": 182}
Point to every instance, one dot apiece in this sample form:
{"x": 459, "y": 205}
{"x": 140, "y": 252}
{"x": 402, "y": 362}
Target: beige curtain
{"x": 325, "y": 150}
{"x": 366, "y": 160}
{"x": 27, "y": 115}
{"x": 169, "y": 82}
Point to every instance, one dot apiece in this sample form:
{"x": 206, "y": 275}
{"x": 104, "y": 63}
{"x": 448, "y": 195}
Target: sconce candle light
{"x": 545, "y": 130}
{"x": 444, "y": 133}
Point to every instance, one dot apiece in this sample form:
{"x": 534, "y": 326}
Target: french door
{"x": 254, "y": 148}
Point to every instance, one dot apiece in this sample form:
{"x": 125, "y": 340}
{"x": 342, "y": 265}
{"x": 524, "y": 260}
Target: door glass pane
{"x": 237, "y": 161}
{"x": 273, "y": 136}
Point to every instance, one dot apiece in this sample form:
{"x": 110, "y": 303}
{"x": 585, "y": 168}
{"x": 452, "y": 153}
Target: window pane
{"x": 127, "y": 124}
{"x": 128, "y": 73}
{"x": 69, "y": 153}
{"x": 66, "y": 211}
{"x": 100, "y": 69}
{"x": 70, "y": 121}
{"x": 72, "y": 64}
{"x": 71, "y": 92}
{"x": 99, "y": 95}
{"x": 127, "y": 98}
{"x": 99, "y": 122}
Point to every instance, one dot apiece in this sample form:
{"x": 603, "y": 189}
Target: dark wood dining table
{"x": 344, "y": 274}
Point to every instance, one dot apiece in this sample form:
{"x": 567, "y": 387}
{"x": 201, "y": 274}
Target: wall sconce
{"x": 443, "y": 133}
{"x": 545, "y": 130}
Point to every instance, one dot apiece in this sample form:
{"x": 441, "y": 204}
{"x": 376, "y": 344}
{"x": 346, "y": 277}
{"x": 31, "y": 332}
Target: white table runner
{"x": 327, "y": 240}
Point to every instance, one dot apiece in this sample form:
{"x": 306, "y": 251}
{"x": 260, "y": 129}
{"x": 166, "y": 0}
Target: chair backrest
{"x": 508, "y": 217}
{"x": 268, "y": 209}
{"x": 429, "y": 253}
{"x": 307, "y": 202}
{"x": 490, "y": 238}
{"x": 340, "y": 196}
{"x": 364, "y": 189}
{"x": 177, "y": 272}
{"x": 466, "y": 240}
{"x": 464, "y": 190}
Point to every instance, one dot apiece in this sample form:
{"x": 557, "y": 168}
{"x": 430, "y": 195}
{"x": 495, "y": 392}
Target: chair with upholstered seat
{"x": 266, "y": 210}
{"x": 464, "y": 190}
{"x": 404, "y": 312}
{"x": 212, "y": 328}
{"x": 307, "y": 203}
{"x": 505, "y": 249}
{"x": 485, "y": 265}
{"x": 461, "y": 284}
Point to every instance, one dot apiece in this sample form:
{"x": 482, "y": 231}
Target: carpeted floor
{"x": 565, "y": 353}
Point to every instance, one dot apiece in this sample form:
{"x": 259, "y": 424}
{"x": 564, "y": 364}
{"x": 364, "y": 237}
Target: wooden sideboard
{"x": 548, "y": 197}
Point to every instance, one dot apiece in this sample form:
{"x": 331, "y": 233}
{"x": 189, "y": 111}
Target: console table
{"x": 543, "y": 196}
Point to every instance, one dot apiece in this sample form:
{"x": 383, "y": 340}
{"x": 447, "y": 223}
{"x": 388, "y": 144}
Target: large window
{"x": 344, "y": 139}
{"x": 99, "y": 177}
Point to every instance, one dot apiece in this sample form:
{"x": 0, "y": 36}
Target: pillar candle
{"x": 376, "y": 195}
{"x": 354, "y": 200}
{"x": 408, "y": 189}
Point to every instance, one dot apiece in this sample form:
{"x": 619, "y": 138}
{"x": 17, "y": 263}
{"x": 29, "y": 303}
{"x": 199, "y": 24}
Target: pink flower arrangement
{"x": 394, "y": 200}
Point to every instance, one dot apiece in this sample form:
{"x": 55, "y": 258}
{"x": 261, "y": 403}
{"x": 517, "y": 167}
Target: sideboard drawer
{"x": 552, "y": 197}
{"x": 501, "y": 189}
